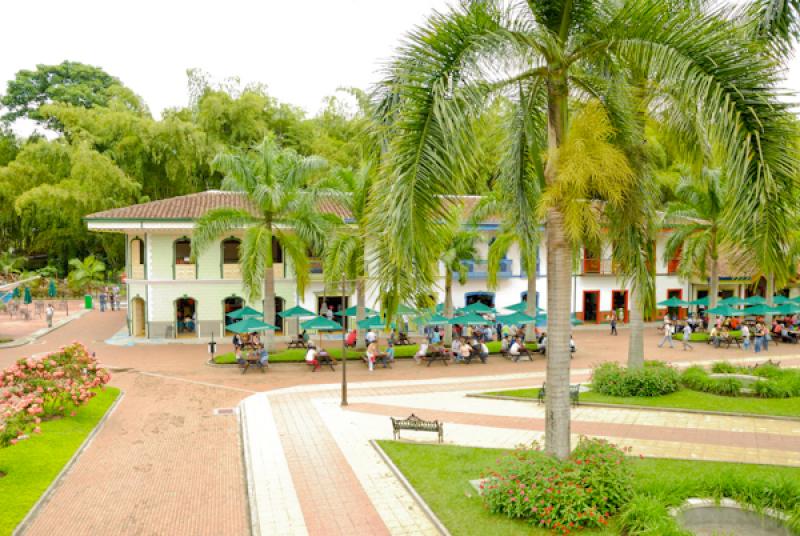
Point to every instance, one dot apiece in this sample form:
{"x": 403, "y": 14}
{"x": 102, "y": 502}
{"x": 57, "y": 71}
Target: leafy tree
{"x": 10, "y": 263}
{"x": 276, "y": 182}
{"x": 559, "y": 51}
{"x": 69, "y": 83}
{"x": 9, "y": 146}
{"x": 459, "y": 247}
{"x": 86, "y": 274}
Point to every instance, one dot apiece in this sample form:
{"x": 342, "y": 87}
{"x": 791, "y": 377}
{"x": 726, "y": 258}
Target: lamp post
{"x": 344, "y": 347}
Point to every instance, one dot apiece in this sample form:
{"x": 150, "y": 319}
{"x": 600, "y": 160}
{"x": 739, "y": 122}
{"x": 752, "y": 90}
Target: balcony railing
{"x": 480, "y": 268}
{"x": 185, "y": 271}
{"x": 598, "y": 266}
{"x": 231, "y": 271}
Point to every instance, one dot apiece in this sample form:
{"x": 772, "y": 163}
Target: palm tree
{"x": 86, "y": 273}
{"x": 556, "y": 58}
{"x": 345, "y": 251}
{"x": 459, "y": 248}
{"x": 276, "y": 181}
{"x": 10, "y": 263}
{"x": 699, "y": 228}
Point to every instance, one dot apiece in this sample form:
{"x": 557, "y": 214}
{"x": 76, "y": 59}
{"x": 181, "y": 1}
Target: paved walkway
{"x": 166, "y": 464}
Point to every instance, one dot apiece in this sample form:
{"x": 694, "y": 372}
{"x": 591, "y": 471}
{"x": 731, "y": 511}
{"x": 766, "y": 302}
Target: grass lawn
{"x": 688, "y": 399}
{"x": 31, "y": 465}
{"x": 441, "y": 475}
{"x": 299, "y": 354}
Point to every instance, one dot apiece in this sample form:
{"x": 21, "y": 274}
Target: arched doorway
{"x": 186, "y": 317}
{"x": 280, "y": 303}
{"x": 229, "y": 305}
{"x": 486, "y": 298}
{"x": 137, "y": 317}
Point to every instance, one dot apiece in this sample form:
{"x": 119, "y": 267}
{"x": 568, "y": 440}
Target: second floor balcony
{"x": 480, "y": 268}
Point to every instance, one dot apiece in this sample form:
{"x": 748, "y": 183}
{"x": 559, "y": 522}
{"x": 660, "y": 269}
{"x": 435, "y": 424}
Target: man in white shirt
{"x": 514, "y": 350}
{"x": 667, "y": 336}
{"x": 371, "y": 337}
{"x": 421, "y": 353}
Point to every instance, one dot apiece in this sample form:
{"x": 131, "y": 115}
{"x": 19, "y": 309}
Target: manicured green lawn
{"x": 441, "y": 475}
{"x": 299, "y": 354}
{"x": 688, "y": 399}
{"x": 31, "y": 465}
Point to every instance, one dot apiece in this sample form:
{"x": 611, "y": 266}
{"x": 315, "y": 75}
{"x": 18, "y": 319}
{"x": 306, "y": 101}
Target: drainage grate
{"x": 224, "y": 411}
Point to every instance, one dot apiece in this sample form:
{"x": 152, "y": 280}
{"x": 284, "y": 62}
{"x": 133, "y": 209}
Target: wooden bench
{"x": 251, "y": 360}
{"x": 574, "y": 393}
{"x": 415, "y": 423}
{"x": 378, "y": 359}
{"x": 297, "y": 342}
{"x": 437, "y": 355}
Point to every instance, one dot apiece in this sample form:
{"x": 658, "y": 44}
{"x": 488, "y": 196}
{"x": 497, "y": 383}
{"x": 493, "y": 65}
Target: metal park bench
{"x": 415, "y": 423}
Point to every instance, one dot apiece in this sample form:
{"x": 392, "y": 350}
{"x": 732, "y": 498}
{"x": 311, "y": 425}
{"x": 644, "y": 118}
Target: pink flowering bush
{"x": 32, "y": 390}
{"x": 583, "y": 491}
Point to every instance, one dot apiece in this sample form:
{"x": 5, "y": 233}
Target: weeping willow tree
{"x": 701, "y": 63}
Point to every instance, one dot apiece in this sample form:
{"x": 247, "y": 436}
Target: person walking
{"x": 745, "y": 337}
{"x": 759, "y": 337}
{"x": 103, "y": 296}
{"x": 613, "y": 323}
{"x": 49, "y": 312}
{"x": 687, "y": 334}
{"x": 667, "y": 335}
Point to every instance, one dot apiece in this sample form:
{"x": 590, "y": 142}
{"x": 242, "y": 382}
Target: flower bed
{"x": 32, "y": 390}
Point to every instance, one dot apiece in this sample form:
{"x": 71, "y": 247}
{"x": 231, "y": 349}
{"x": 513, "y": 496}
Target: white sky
{"x": 301, "y": 49}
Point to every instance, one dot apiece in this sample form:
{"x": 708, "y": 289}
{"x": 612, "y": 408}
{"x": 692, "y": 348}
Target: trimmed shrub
{"x": 580, "y": 492}
{"x": 726, "y": 386}
{"x": 723, "y": 367}
{"x": 654, "y": 379}
{"x": 696, "y": 378}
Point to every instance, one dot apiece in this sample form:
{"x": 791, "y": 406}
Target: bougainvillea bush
{"x": 583, "y": 491}
{"x": 36, "y": 389}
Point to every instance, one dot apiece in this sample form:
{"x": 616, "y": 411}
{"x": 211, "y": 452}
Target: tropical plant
{"x": 344, "y": 252}
{"x": 277, "y": 183}
{"x": 699, "y": 228}
{"x": 568, "y": 60}
{"x": 10, "y": 263}
{"x": 87, "y": 273}
{"x": 459, "y": 248}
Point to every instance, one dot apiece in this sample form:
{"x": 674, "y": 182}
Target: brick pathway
{"x": 163, "y": 464}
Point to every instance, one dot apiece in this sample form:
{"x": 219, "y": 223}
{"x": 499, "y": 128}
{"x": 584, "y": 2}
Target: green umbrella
{"x": 760, "y": 310}
{"x": 541, "y": 320}
{"x": 724, "y": 310}
{"x": 780, "y": 299}
{"x": 405, "y": 310}
{"x": 353, "y": 311}
{"x": 515, "y": 319}
{"x": 673, "y": 302}
{"x": 435, "y": 320}
{"x": 701, "y": 301}
{"x": 51, "y": 289}
{"x": 16, "y": 292}
{"x": 521, "y": 307}
{"x": 469, "y": 319}
{"x": 249, "y": 325}
{"x": 373, "y": 322}
{"x": 244, "y": 312}
{"x": 27, "y": 299}
{"x": 321, "y": 323}
{"x": 478, "y": 307}
{"x": 732, "y": 300}
{"x": 788, "y": 308}
{"x": 296, "y": 312}
{"x": 755, "y": 300}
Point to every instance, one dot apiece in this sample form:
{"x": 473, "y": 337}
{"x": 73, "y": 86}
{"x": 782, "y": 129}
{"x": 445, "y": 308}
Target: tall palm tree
{"x": 276, "y": 181}
{"x": 459, "y": 248}
{"x": 699, "y": 230}
{"x": 86, "y": 273}
{"x": 345, "y": 252}
{"x": 560, "y": 53}
{"x": 10, "y": 263}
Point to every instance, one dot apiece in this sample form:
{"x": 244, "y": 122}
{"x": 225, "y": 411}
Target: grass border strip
{"x": 647, "y": 408}
{"x": 406, "y": 484}
{"x": 51, "y": 489}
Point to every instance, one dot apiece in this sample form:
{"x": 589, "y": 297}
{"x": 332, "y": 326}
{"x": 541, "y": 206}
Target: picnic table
{"x": 442, "y": 355}
{"x": 249, "y": 358}
{"x": 325, "y": 358}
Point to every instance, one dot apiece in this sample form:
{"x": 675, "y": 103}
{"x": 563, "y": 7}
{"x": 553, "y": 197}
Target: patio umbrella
{"x": 515, "y": 319}
{"x": 373, "y": 322}
{"x": 249, "y": 325}
{"x": 521, "y": 307}
{"x": 478, "y": 307}
{"x": 541, "y": 320}
{"x": 435, "y": 320}
{"x": 780, "y": 299}
{"x": 244, "y": 312}
{"x": 788, "y": 308}
{"x": 321, "y": 323}
{"x": 16, "y": 292}
{"x": 27, "y": 299}
{"x": 296, "y": 312}
{"x": 755, "y": 300}
{"x": 469, "y": 319}
{"x": 405, "y": 310}
{"x": 353, "y": 311}
{"x": 51, "y": 289}
{"x": 701, "y": 301}
{"x": 725, "y": 310}
{"x": 759, "y": 310}
{"x": 732, "y": 300}
{"x": 673, "y": 302}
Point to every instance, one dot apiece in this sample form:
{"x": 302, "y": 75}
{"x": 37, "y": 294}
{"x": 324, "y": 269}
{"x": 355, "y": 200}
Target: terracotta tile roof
{"x": 193, "y": 206}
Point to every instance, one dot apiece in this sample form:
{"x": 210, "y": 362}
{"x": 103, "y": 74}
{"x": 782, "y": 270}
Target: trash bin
{"x": 87, "y": 301}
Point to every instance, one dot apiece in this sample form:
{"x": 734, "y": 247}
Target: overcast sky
{"x": 301, "y": 49}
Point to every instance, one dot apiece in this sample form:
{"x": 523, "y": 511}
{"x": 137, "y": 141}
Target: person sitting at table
{"x": 483, "y": 354}
{"x": 724, "y": 336}
{"x": 311, "y": 357}
{"x": 465, "y": 352}
{"x": 436, "y": 338}
{"x": 505, "y": 344}
{"x": 422, "y": 353}
{"x": 237, "y": 341}
{"x": 390, "y": 351}
{"x": 373, "y": 354}
{"x": 263, "y": 356}
{"x": 255, "y": 341}
{"x": 455, "y": 348}
{"x": 350, "y": 341}
{"x": 714, "y": 336}
{"x": 238, "y": 353}
{"x": 514, "y": 349}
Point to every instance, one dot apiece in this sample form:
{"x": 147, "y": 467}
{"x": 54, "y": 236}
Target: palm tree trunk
{"x": 770, "y": 294}
{"x": 269, "y": 298}
{"x": 559, "y": 290}
{"x": 636, "y": 340}
{"x": 361, "y": 296}
{"x": 530, "y": 310}
{"x": 448, "y": 305}
{"x": 714, "y": 289}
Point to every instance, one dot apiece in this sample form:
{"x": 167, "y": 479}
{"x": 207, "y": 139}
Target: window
{"x": 183, "y": 251}
{"x": 675, "y": 261}
{"x": 277, "y": 251}
{"x": 137, "y": 251}
{"x": 230, "y": 251}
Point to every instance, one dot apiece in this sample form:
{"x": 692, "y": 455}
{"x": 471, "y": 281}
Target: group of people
{"x": 109, "y": 296}
{"x": 250, "y": 343}
{"x": 721, "y": 332}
